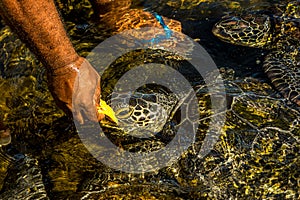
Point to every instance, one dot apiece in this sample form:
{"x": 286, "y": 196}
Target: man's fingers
{"x": 100, "y": 116}
{"x": 78, "y": 117}
{"x": 91, "y": 112}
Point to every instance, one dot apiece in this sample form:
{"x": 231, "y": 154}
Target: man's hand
{"x": 76, "y": 90}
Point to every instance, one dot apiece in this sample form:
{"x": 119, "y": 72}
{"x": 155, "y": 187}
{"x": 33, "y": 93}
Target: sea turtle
{"x": 24, "y": 180}
{"x": 144, "y": 114}
{"x": 276, "y": 29}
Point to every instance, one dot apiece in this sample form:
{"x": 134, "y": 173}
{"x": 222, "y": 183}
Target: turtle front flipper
{"x": 24, "y": 180}
{"x": 283, "y": 68}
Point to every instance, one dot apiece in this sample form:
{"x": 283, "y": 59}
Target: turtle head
{"x": 247, "y": 30}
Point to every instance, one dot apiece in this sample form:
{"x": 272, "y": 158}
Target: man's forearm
{"x": 39, "y": 25}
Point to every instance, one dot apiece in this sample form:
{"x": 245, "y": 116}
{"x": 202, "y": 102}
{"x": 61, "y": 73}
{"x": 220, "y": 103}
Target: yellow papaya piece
{"x": 107, "y": 111}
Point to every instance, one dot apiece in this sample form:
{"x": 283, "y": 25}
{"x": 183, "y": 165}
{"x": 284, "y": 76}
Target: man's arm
{"x": 71, "y": 78}
{"x": 40, "y": 27}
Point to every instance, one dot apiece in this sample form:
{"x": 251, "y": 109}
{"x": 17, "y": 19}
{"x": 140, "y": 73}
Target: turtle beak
{"x": 107, "y": 111}
{"x": 215, "y": 30}
{"x": 220, "y": 33}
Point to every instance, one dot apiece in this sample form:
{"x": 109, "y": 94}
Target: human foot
{"x": 5, "y": 137}
{"x": 135, "y": 18}
{"x": 119, "y": 16}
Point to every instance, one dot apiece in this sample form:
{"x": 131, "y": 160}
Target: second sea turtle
{"x": 276, "y": 29}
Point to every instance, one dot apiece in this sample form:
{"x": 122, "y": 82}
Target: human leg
{"x": 118, "y": 15}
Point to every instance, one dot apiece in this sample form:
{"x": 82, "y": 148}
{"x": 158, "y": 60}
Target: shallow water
{"x": 256, "y": 156}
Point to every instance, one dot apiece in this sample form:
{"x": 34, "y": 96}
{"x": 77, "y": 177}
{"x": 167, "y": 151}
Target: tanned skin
{"x": 38, "y": 24}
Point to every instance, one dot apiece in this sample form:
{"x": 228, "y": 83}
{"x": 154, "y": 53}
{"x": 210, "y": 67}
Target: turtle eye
{"x": 236, "y": 24}
{"x": 124, "y": 113}
{"x": 243, "y": 24}
{"x": 231, "y": 23}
